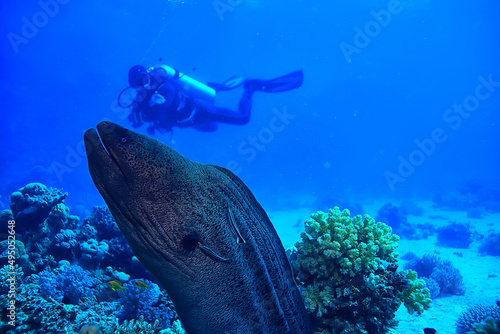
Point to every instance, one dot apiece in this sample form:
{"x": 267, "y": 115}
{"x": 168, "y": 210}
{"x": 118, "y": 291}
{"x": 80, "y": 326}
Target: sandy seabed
{"x": 481, "y": 273}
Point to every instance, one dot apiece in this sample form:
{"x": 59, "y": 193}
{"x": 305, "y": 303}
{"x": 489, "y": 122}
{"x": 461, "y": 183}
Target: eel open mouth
{"x": 101, "y": 147}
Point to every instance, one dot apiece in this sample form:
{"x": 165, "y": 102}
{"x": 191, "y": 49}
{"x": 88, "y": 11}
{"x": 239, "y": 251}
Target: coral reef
{"x": 62, "y": 266}
{"x": 33, "y": 312}
{"x": 397, "y": 220}
{"x": 93, "y": 252}
{"x": 491, "y": 245}
{"x": 101, "y": 225}
{"x": 456, "y": 235}
{"x": 143, "y": 298}
{"x": 48, "y": 233}
{"x": 478, "y": 314}
{"x": 176, "y": 328}
{"x": 32, "y": 204}
{"x": 433, "y": 286}
{"x": 40, "y": 214}
{"x": 127, "y": 327}
{"x": 415, "y": 296}
{"x": 411, "y": 208}
{"x": 7, "y": 274}
{"x": 71, "y": 284}
{"x": 409, "y": 256}
{"x": 475, "y": 198}
{"x": 488, "y": 326}
{"x": 45, "y": 305}
{"x": 20, "y": 255}
{"x": 392, "y": 216}
{"x": 440, "y": 272}
{"x": 347, "y": 270}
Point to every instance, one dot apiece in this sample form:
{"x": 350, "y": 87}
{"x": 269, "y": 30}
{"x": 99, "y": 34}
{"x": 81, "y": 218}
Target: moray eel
{"x": 200, "y": 231}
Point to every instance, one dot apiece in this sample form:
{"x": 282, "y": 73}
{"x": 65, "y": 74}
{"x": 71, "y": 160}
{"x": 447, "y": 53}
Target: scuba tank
{"x": 193, "y": 88}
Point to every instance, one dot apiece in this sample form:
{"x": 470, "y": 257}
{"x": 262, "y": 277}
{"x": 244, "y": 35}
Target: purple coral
{"x": 448, "y": 278}
{"x": 491, "y": 245}
{"x": 70, "y": 285}
{"x": 146, "y": 300}
{"x": 392, "y": 216}
{"x": 440, "y": 272}
{"x": 455, "y": 235}
{"x": 476, "y": 314}
{"x": 396, "y": 218}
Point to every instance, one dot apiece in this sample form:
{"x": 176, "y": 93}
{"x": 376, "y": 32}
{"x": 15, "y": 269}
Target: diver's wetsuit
{"x": 181, "y": 111}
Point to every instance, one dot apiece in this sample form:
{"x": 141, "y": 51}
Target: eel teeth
{"x": 239, "y": 238}
{"x": 212, "y": 254}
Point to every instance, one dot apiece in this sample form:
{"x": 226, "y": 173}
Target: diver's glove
{"x": 156, "y": 99}
{"x": 187, "y": 120}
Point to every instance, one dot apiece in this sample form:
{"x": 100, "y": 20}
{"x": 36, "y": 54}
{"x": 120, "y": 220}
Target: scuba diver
{"x": 167, "y": 98}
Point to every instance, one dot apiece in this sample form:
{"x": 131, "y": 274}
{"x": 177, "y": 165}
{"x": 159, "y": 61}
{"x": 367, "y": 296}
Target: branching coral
{"x": 476, "y": 315}
{"x": 10, "y": 277}
{"x": 488, "y": 326}
{"x": 346, "y": 267}
{"x": 359, "y": 244}
{"x": 35, "y": 314}
{"x": 415, "y": 296}
{"x": 54, "y": 296}
{"x": 144, "y": 298}
{"x": 72, "y": 283}
{"x": 442, "y": 272}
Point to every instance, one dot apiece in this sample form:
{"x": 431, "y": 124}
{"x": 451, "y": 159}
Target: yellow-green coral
{"x": 316, "y": 300}
{"x": 488, "y": 326}
{"x": 358, "y": 243}
{"x": 416, "y": 297}
{"x": 347, "y": 269}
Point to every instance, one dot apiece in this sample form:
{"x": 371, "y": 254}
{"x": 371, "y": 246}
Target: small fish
{"x": 212, "y": 254}
{"x": 234, "y": 228}
{"x": 116, "y": 286}
{"x": 430, "y": 331}
{"x": 141, "y": 284}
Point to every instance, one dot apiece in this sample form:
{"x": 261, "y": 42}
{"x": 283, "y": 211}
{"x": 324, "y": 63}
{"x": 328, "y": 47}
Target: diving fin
{"x": 231, "y": 83}
{"x": 281, "y": 84}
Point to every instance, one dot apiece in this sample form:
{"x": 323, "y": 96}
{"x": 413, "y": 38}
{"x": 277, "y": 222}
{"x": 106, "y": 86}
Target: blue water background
{"x": 353, "y": 120}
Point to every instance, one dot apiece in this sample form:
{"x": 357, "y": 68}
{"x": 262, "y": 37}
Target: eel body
{"x": 200, "y": 231}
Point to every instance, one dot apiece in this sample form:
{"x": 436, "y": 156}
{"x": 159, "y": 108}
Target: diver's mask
{"x": 138, "y": 76}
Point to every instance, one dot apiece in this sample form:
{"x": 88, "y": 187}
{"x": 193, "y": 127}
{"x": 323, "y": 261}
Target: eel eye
{"x": 124, "y": 140}
{"x": 190, "y": 241}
